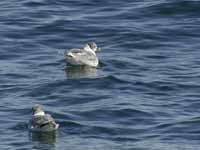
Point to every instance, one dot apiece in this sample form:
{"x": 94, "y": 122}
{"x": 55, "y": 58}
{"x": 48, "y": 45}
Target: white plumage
{"x": 86, "y": 56}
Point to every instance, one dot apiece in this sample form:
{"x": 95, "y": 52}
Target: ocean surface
{"x": 144, "y": 95}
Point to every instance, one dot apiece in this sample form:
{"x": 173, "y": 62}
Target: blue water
{"x": 145, "y": 94}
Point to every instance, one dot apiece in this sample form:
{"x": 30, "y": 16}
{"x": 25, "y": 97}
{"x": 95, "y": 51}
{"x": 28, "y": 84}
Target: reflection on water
{"x": 43, "y": 137}
{"x": 74, "y": 72}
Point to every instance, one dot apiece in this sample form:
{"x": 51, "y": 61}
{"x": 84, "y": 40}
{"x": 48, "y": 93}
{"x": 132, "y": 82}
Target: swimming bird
{"x": 41, "y": 121}
{"x": 86, "y": 56}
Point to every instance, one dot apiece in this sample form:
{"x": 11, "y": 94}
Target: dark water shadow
{"x": 76, "y": 72}
{"x": 43, "y": 137}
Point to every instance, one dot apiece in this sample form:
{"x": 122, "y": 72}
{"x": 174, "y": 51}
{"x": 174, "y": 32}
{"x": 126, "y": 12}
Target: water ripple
{"x": 143, "y": 95}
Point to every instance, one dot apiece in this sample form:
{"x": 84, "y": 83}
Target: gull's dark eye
{"x": 92, "y": 45}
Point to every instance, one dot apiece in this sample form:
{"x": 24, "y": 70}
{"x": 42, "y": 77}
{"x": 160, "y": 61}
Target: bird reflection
{"x": 43, "y": 137}
{"x": 75, "y": 72}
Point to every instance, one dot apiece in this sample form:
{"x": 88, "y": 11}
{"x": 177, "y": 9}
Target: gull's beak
{"x": 69, "y": 55}
{"x": 98, "y": 49}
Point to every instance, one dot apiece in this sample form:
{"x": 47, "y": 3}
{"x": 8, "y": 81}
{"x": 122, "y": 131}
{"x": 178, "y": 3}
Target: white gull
{"x": 86, "y": 56}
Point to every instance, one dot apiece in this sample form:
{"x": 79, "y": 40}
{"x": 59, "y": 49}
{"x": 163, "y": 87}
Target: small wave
{"x": 174, "y": 8}
{"x": 20, "y": 126}
{"x": 95, "y": 83}
{"x": 158, "y": 85}
{"x": 74, "y": 127}
{"x": 70, "y": 124}
{"x": 34, "y": 3}
{"x": 123, "y": 114}
{"x": 15, "y": 76}
{"x": 179, "y": 129}
{"x": 157, "y": 57}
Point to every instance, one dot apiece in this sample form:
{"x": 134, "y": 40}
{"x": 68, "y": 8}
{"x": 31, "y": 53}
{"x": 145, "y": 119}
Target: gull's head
{"x": 92, "y": 46}
{"x": 68, "y": 54}
{"x": 37, "y": 110}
